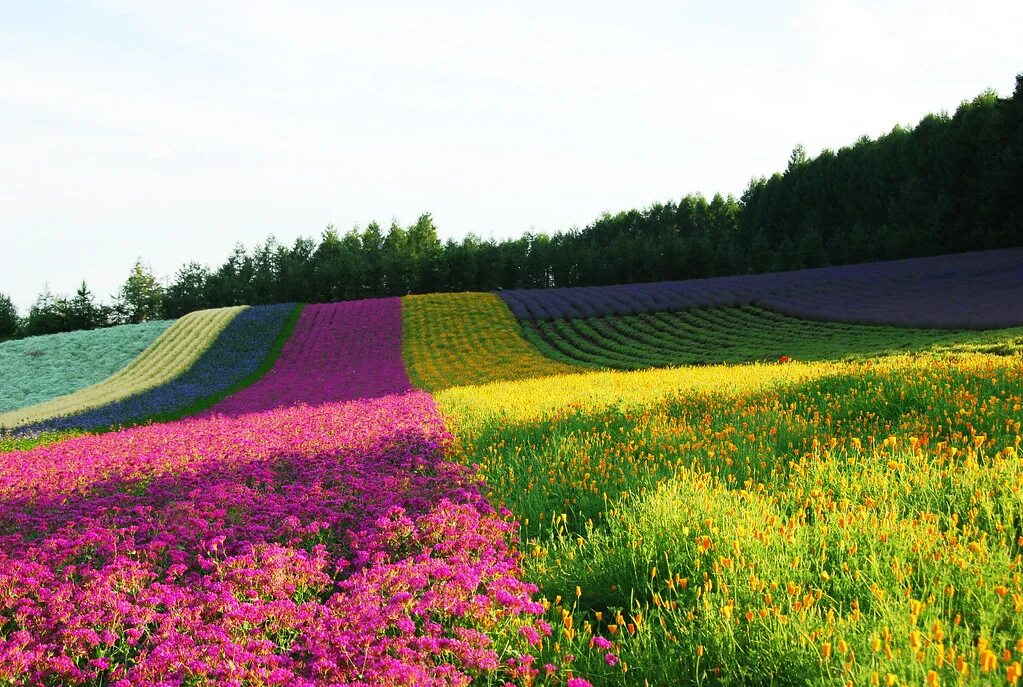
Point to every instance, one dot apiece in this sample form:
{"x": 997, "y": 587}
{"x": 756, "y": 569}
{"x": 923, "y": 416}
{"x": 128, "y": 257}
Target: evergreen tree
{"x": 83, "y": 311}
{"x": 48, "y": 315}
{"x": 9, "y": 320}
{"x": 188, "y": 291}
{"x": 140, "y": 298}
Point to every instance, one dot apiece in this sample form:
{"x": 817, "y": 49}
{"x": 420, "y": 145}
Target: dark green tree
{"x": 188, "y": 292}
{"x": 83, "y": 312}
{"x": 48, "y": 315}
{"x": 9, "y": 320}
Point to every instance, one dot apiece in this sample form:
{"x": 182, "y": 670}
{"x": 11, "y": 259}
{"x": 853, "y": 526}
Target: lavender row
{"x": 980, "y": 290}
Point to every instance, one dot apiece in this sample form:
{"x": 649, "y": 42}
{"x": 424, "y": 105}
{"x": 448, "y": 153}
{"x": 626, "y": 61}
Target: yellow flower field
{"x": 838, "y": 523}
{"x": 452, "y": 339}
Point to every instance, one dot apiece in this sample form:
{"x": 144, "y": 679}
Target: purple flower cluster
{"x": 312, "y": 545}
{"x": 980, "y": 290}
{"x": 337, "y": 352}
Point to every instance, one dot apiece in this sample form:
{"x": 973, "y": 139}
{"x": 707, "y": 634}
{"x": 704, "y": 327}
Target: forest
{"x": 950, "y": 184}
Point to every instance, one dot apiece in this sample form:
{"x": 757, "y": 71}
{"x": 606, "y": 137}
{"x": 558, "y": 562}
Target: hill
{"x": 409, "y": 491}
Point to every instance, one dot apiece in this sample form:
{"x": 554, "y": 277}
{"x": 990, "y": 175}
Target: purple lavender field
{"x": 979, "y": 290}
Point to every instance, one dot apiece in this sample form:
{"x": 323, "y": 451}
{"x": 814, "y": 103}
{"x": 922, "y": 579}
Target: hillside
{"x": 42, "y": 367}
{"x": 793, "y": 478}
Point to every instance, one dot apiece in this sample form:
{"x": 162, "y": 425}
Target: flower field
{"x": 737, "y": 335}
{"x": 173, "y": 352}
{"x": 982, "y": 290}
{"x": 40, "y": 368}
{"x": 458, "y": 339}
{"x": 861, "y": 527}
{"x": 428, "y": 491}
{"x": 338, "y": 352}
{"x": 326, "y": 545}
{"x": 237, "y": 353}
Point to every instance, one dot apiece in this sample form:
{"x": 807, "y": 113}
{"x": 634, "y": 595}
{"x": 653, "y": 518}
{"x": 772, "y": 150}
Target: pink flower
{"x": 262, "y": 549}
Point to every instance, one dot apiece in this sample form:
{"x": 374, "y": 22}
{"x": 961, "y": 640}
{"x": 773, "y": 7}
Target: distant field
{"x": 982, "y": 290}
{"x": 467, "y": 338}
{"x": 40, "y": 368}
{"x": 738, "y": 335}
{"x": 173, "y": 352}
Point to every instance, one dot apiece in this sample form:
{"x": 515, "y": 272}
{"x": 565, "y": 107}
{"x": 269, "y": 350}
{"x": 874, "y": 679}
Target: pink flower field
{"x": 306, "y": 531}
{"x": 322, "y": 545}
{"x": 338, "y": 352}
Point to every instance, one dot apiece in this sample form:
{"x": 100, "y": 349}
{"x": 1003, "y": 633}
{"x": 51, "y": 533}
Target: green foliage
{"x": 19, "y": 443}
{"x": 52, "y": 314}
{"x": 188, "y": 292}
{"x": 738, "y": 335}
{"x": 9, "y": 320}
{"x": 141, "y": 296}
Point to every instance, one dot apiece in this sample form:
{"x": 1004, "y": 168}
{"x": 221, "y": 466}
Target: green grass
{"x": 41, "y": 368}
{"x": 14, "y": 443}
{"x": 862, "y": 524}
{"x": 740, "y": 334}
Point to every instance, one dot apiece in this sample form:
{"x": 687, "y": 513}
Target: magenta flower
{"x": 309, "y": 545}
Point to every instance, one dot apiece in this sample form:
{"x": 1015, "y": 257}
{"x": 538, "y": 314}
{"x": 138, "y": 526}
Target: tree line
{"x": 950, "y": 184}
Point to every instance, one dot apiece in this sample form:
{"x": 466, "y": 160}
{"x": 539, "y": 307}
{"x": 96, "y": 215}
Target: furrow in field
{"x": 739, "y": 335}
{"x": 979, "y": 290}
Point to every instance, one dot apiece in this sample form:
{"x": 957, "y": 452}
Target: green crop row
{"x": 739, "y": 334}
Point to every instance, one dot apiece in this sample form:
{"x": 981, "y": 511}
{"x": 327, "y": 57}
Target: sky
{"x": 171, "y": 131}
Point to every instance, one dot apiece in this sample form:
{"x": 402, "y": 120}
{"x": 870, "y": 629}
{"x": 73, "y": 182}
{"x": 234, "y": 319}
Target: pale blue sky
{"x": 171, "y": 130}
